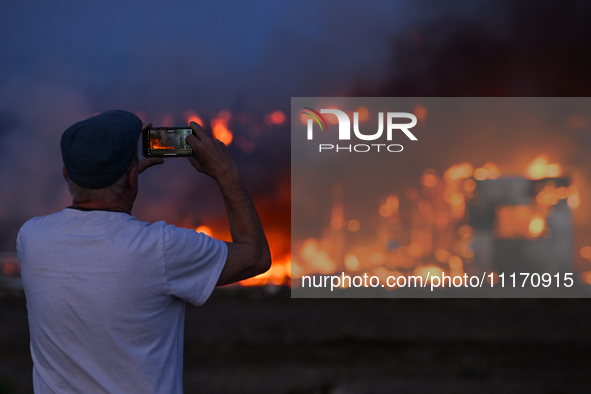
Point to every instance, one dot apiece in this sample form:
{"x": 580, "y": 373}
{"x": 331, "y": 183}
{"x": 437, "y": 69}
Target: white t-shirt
{"x": 106, "y": 299}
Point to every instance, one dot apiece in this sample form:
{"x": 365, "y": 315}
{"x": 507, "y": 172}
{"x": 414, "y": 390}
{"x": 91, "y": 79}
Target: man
{"x": 105, "y": 292}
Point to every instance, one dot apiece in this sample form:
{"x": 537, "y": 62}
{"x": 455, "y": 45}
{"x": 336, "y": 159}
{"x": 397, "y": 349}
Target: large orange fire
{"x": 438, "y": 238}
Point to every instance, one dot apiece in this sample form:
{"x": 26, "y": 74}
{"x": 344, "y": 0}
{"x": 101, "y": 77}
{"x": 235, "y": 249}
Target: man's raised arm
{"x": 248, "y": 253}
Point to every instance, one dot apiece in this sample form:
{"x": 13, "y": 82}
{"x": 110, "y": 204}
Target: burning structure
{"x": 470, "y": 220}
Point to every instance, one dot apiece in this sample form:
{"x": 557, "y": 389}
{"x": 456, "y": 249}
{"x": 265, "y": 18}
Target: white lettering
{"x": 404, "y": 127}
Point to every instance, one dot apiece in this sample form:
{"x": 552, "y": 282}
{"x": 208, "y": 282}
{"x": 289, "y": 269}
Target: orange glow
{"x": 385, "y": 210}
{"x": 9, "y": 269}
{"x": 331, "y": 118}
{"x": 353, "y": 225}
{"x": 480, "y": 174}
{"x": 279, "y": 272}
{"x": 492, "y": 170}
{"x": 586, "y": 252}
{"x": 337, "y": 219}
{"x": 420, "y": 112}
{"x": 390, "y": 207}
{"x": 456, "y": 199}
{"x": 415, "y": 250}
{"x": 587, "y": 277}
{"x": 536, "y": 226}
{"x": 274, "y": 118}
{"x": 205, "y": 230}
{"x": 377, "y": 258}
{"x": 352, "y": 262}
{"x": 155, "y": 144}
{"x": 393, "y": 202}
{"x": 441, "y": 255}
{"x": 304, "y": 118}
{"x": 412, "y": 194}
{"x": 225, "y": 114}
{"x": 321, "y": 263}
{"x": 363, "y": 114}
{"x": 458, "y": 171}
{"x": 465, "y": 231}
{"x": 428, "y": 271}
{"x": 221, "y": 131}
{"x": 455, "y": 263}
{"x": 574, "y": 199}
{"x": 540, "y": 168}
{"x": 517, "y": 221}
{"x": 577, "y": 121}
{"x": 469, "y": 185}
{"x": 429, "y": 180}
{"x": 429, "y": 234}
{"x": 191, "y": 116}
{"x": 495, "y": 278}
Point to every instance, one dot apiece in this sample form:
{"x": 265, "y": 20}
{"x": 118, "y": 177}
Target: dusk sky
{"x": 65, "y": 61}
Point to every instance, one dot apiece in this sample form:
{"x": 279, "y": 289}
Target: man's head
{"x": 99, "y": 154}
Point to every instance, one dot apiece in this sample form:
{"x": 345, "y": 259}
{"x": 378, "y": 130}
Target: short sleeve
{"x": 193, "y": 263}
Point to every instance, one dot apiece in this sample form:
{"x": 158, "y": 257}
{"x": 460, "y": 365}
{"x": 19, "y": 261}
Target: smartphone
{"x": 166, "y": 142}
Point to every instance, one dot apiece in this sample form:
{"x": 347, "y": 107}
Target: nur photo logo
{"x": 391, "y": 119}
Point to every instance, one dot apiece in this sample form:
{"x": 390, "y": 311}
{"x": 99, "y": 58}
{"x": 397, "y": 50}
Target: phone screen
{"x": 167, "y": 141}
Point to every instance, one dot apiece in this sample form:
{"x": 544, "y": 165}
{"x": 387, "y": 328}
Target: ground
{"x": 259, "y": 341}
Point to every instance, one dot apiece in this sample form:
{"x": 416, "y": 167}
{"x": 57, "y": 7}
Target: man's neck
{"x": 115, "y": 206}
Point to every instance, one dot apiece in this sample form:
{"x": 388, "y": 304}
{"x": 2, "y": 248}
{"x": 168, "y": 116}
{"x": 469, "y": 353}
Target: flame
{"x": 457, "y": 172}
{"x": 440, "y": 240}
{"x": 540, "y": 168}
{"x": 205, "y": 230}
{"x": 220, "y": 129}
{"x": 191, "y": 116}
{"x": 156, "y": 144}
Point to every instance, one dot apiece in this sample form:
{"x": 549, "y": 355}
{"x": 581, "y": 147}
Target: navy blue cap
{"x": 97, "y": 151}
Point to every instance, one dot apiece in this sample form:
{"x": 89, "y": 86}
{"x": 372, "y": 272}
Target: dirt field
{"x": 251, "y": 341}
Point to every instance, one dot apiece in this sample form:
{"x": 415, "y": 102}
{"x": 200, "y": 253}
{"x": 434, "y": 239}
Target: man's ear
{"x": 65, "y": 173}
{"x": 133, "y": 177}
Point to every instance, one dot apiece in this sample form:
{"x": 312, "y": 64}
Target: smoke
{"x": 506, "y": 48}
{"x": 64, "y": 63}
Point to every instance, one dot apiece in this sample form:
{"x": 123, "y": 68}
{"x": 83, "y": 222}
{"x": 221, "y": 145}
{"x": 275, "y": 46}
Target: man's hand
{"x": 211, "y": 156}
{"x": 144, "y": 164}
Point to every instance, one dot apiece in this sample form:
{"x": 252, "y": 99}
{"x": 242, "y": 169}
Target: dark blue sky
{"x": 120, "y": 52}
{"x": 63, "y": 61}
